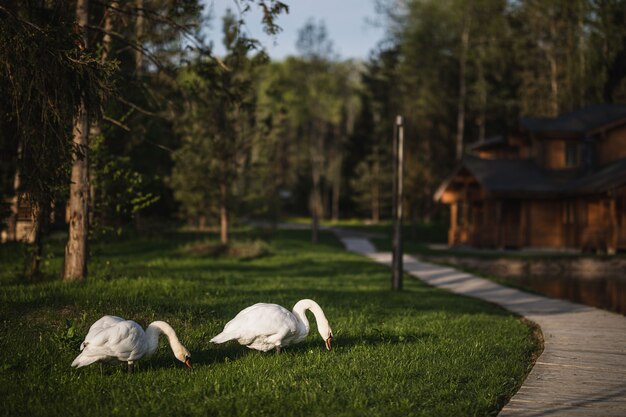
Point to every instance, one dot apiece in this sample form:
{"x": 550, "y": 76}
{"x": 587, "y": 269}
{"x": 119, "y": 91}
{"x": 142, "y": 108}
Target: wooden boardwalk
{"x": 582, "y": 370}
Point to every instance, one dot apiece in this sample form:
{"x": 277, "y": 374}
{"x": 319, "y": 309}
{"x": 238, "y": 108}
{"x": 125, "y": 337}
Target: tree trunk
{"x": 223, "y": 208}
{"x": 108, "y": 28}
{"x": 376, "y": 189}
{"x": 554, "y": 73}
{"x": 460, "y": 121}
{"x": 336, "y": 192}
{"x": 581, "y": 59}
{"x": 75, "y": 267}
{"x": 482, "y": 96}
{"x": 138, "y": 37}
{"x": 316, "y": 201}
{"x": 95, "y": 130}
{"x": 316, "y": 150}
{"x": 554, "y": 85}
{"x": 36, "y": 247}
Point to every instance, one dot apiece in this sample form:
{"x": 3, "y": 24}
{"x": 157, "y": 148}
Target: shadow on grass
{"x": 232, "y": 351}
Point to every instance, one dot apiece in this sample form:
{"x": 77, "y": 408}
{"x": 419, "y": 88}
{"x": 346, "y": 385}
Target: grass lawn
{"x": 421, "y": 352}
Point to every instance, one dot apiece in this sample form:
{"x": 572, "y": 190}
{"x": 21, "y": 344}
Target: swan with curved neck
{"x": 113, "y": 338}
{"x": 270, "y": 326}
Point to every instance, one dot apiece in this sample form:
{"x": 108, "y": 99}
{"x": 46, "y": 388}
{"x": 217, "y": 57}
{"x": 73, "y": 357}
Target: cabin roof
{"x": 523, "y": 177}
{"x": 578, "y": 122}
{"x": 491, "y": 142}
{"x": 611, "y": 176}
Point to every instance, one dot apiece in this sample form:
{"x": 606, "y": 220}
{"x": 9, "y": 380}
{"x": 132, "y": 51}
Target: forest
{"x": 118, "y": 116}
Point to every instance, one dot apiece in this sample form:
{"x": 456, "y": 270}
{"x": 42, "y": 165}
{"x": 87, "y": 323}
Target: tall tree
{"x": 216, "y": 128}
{"x": 48, "y": 78}
{"x": 75, "y": 267}
{"x": 464, "y": 47}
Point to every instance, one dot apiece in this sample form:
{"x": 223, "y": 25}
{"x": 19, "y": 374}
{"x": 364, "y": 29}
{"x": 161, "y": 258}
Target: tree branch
{"x": 155, "y": 16}
{"x": 132, "y": 44}
{"x": 116, "y": 123}
{"x": 139, "y": 109}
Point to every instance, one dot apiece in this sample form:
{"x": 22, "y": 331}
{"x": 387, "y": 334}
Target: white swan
{"x": 113, "y": 338}
{"x": 267, "y": 326}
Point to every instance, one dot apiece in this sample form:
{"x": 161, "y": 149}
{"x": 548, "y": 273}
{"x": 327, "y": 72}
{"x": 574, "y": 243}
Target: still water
{"x": 608, "y": 293}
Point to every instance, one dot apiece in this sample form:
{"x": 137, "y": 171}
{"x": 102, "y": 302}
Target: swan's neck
{"x": 299, "y": 310}
{"x": 153, "y": 332}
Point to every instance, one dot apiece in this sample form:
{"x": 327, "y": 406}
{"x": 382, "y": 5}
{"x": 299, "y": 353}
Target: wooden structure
{"x": 552, "y": 183}
{"x": 19, "y": 224}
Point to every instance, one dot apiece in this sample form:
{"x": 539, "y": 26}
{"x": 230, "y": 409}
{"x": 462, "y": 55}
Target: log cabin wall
{"x": 573, "y": 220}
{"x": 611, "y": 145}
{"x": 598, "y": 231}
{"x": 484, "y": 227}
{"x": 508, "y": 153}
{"x": 620, "y": 209}
{"x": 522, "y": 144}
{"x": 553, "y": 184}
{"x": 561, "y": 154}
{"x": 19, "y": 223}
{"x": 452, "y": 232}
{"x": 553, "y": 154}
{"x": 545, "y": 224}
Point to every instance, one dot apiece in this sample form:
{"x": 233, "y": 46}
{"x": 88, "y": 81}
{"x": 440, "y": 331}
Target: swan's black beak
{"x": 188, "y": 362}
{"x": 330, "y": 338}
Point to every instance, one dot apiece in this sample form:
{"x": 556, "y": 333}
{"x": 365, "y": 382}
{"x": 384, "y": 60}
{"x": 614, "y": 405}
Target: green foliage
{"x": 119, "y": 190}
{"x": 307, "y": 107}
{"x": 45, "y": 75}
{"x": 420, "y": 352}
{"x": 522, "y": 58}
{"x": 216, "y": 127}
{"x": 371, "y": 186}
{"x": 244, "y": 250}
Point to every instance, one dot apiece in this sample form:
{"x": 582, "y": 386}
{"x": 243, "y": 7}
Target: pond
{"x": 605, "y": 292}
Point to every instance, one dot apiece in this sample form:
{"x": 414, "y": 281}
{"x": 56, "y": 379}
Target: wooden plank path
{"x": 582, "y": 370}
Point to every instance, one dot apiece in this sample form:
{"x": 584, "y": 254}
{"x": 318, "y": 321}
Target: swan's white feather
{"x": 112, "y": 338}
{"x": 123, "y": 341}
{"x": 261, "y": 326}
{"x": 98, "y": 326}
{"x": 264, "y": 327}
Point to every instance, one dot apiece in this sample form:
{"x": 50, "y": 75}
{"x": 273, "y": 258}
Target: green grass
{"x": 421, "y": 352}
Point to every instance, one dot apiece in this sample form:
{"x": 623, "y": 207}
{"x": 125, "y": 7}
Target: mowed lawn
{"x": 421, "y": 352}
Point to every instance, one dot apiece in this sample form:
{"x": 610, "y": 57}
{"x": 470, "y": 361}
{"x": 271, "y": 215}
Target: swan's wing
{"x": 124, "y": 341}
{"x": 101, "y": 324}
{"x": 261, "y": 320}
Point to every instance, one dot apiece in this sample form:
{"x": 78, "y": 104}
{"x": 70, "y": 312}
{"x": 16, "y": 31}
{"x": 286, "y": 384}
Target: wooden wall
{"x": 621, "y": 218}
{"x": 589, "y": 225}
{"x": 611, "y": 146}
{"x": 523, "y": 145}
{"x": 499, "y": 153}
{"x": 545, "y": 223}
{"x": 553, "y": 153}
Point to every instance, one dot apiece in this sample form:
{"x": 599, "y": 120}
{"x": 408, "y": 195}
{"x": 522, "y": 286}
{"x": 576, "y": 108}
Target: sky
{"x": 348, "y": 24}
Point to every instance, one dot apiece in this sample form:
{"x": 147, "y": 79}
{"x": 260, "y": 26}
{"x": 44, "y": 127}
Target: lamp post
{"x": 397, "y": 250}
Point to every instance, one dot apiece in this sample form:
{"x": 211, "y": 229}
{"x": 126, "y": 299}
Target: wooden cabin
{"x": 19, "y": 224}
{"x": 551, "y": 183}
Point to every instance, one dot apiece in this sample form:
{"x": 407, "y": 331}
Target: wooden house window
{"x": 571, "y": 154}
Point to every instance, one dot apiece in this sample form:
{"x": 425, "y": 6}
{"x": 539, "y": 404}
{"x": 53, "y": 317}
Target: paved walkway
{"x": 582, "y": 370}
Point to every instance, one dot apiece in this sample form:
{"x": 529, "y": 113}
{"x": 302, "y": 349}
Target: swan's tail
{"x": 221, "y": 338}
{"x": 83, "y": 360}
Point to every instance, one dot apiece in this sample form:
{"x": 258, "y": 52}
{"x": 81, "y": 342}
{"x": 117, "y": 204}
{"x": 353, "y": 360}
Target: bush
{"x": 238, "y": 250}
